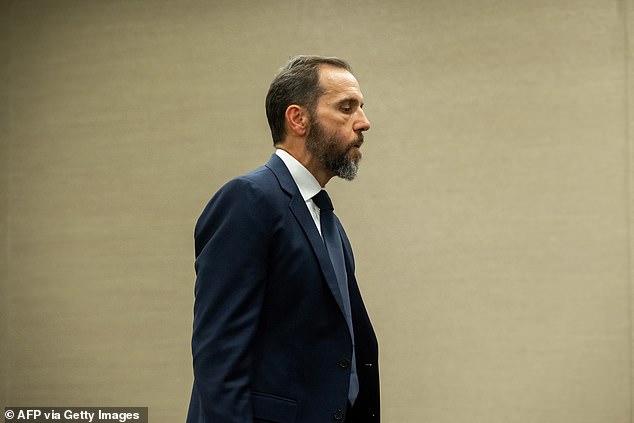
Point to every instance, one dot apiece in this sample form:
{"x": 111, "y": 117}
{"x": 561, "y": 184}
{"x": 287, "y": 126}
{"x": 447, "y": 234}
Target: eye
{"x": 346, "y": 108}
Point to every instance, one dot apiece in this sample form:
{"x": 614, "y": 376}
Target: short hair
{"x": 297, "y": 82}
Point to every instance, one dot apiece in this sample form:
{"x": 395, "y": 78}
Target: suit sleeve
{"x": 232, "y": 238}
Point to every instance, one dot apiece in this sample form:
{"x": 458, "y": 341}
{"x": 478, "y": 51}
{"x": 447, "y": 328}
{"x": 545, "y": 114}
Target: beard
{"x": 332, "y": 151}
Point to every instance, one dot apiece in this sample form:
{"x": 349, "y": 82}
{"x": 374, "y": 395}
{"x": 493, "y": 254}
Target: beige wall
{"x": 491, "y": 218}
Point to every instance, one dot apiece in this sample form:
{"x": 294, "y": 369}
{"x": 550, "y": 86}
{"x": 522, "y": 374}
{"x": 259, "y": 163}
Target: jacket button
{"x": 338, "y": 415}
{"x": 344, "y": 363}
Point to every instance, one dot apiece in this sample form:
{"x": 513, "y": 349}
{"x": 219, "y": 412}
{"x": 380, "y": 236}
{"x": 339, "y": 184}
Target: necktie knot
{"x": 322, "y": 200}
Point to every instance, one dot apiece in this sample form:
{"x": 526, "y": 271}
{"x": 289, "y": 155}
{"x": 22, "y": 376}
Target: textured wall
{"x": 4, "y": 204}
{"x": 490, "y": 218}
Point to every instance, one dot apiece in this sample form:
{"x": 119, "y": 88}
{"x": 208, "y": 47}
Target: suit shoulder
{"x": 262, "y": 178}
{"x": 256, "y": 185}
{"x": 245, "y": 199}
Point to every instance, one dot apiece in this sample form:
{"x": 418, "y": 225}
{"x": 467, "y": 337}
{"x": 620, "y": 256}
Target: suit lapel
{"x": 300, "y": 211}
{"x": 363, "y": 331}
{"x": 347, "y": 248}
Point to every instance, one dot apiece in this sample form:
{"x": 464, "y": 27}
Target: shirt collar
{"x": 306, "y": 182}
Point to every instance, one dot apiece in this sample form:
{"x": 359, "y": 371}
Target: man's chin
{"x": 348, "y": 171}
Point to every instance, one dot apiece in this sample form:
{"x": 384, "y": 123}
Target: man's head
{"x": 296, "y": 83}
{"x": 315, "y": 105}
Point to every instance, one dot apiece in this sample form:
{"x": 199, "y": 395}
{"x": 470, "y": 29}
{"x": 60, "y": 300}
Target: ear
{"x": 297, "y": 121}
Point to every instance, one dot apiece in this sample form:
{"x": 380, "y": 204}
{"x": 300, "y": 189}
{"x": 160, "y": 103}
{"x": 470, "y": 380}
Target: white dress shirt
{"x": 306, "y": 182}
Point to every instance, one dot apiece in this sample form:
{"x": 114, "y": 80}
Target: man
{"x": 280, "y": 331}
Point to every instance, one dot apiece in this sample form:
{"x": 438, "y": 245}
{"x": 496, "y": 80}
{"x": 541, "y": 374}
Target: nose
{"x": 362, "y": 123}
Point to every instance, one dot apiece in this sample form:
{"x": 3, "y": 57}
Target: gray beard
{"x": 326, "y": 148}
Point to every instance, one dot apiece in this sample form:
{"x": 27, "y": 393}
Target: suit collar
{"x": 282, "y": 174}
{"x": 306, "y": 182}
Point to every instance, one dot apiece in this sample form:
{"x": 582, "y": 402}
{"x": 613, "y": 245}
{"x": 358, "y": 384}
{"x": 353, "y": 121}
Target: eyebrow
{"x": 351, "y": 100}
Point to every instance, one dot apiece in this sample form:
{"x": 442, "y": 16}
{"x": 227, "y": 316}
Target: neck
{"x": 308, "y": 160}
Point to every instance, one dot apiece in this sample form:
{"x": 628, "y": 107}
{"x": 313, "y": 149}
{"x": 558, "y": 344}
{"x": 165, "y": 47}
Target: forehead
{"x": 339, "y": 84}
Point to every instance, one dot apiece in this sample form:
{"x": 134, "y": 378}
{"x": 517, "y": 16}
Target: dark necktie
{"x": 332, "y": 239}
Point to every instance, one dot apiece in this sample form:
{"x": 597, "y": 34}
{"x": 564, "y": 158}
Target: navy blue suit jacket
{"x": 270, "y": 342}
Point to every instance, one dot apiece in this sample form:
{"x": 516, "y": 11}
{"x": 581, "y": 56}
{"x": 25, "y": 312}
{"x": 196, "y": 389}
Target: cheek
{"x": 344, "y": 130}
